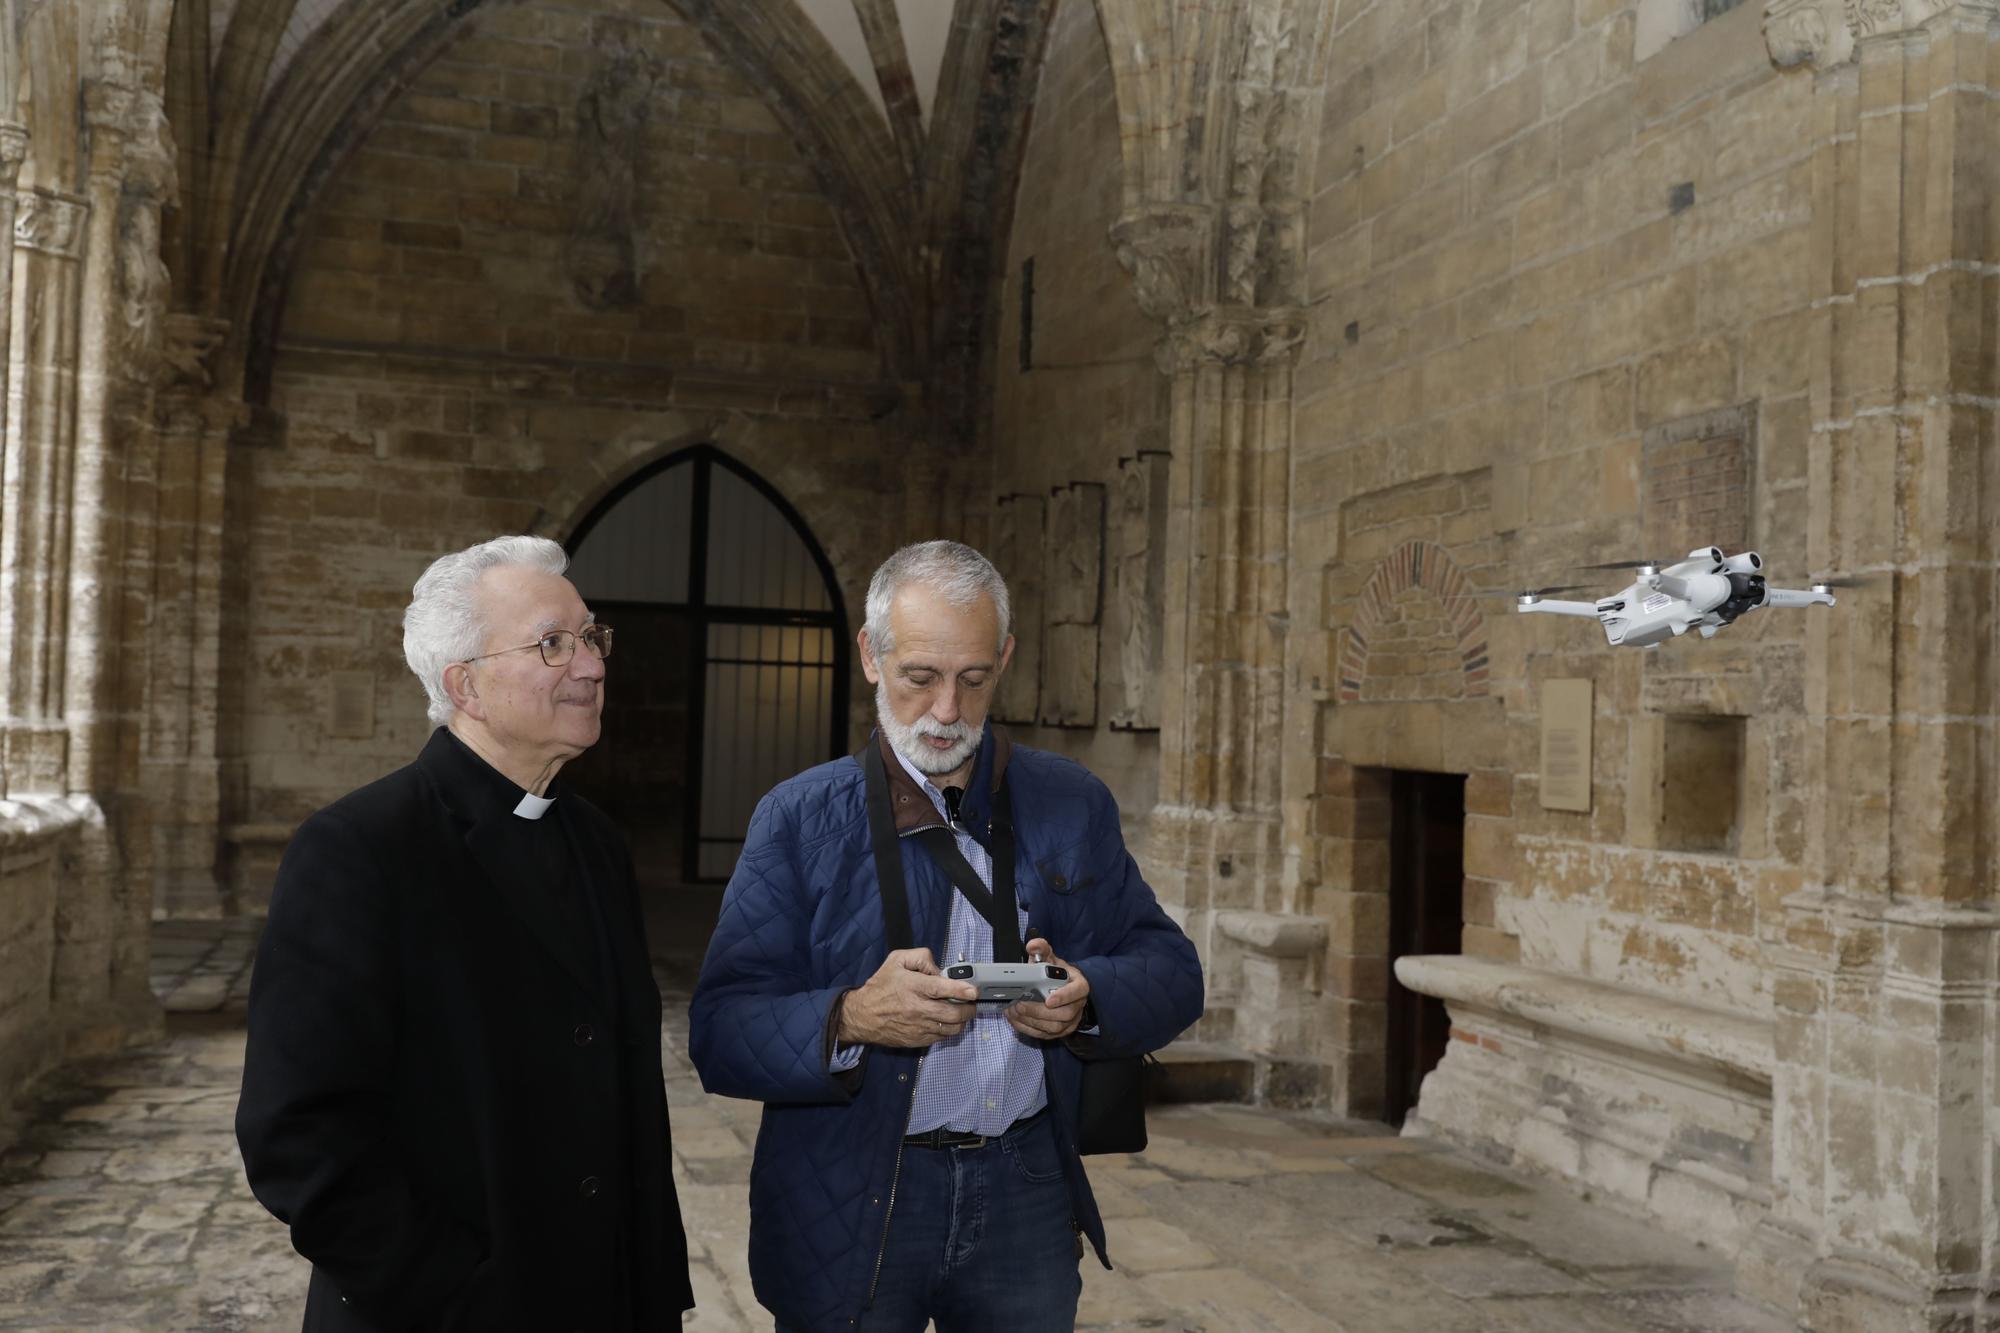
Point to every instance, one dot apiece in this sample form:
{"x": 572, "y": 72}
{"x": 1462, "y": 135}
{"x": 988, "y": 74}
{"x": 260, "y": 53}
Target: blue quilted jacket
{"x": 801, "y": 922}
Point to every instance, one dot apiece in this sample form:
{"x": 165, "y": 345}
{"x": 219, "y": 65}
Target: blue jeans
{"x": 980, "y": 1240}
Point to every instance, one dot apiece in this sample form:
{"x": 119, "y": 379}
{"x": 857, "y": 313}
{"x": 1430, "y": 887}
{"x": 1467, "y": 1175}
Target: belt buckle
{"x": 976, "y": 1141}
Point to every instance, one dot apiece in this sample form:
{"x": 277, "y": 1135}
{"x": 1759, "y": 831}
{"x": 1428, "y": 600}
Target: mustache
{"x": 960, "y": 730}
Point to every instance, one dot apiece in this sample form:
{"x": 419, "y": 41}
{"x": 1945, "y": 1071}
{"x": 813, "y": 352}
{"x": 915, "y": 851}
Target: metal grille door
{"x": 703, "y": 538}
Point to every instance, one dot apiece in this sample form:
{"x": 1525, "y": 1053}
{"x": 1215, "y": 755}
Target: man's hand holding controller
{"x": 908, "y": 1002}
{"x": 1058, "y": 1015}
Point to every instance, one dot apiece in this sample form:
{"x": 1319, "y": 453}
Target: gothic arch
{"x": 1416, "y": 564}
{"x": 621, "y": 459}
{"x": 337, "y": 87}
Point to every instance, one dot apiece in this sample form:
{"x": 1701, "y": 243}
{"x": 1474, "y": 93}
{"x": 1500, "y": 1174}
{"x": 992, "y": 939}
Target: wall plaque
{"x": 1566, "y": 744}
{"x": 350, "y": 705}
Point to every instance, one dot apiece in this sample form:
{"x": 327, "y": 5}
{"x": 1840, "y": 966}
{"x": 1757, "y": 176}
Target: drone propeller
{"x": 1827, "y": 584}
{"x": 1644, "y": 562}
{"x": 1517, "y": 594}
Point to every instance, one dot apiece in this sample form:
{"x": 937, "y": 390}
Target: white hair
{"x": 956, "y": 570}
{"x": 443, "y": 625}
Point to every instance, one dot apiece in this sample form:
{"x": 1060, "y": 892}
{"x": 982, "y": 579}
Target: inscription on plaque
{"x": 1566, "y": 744}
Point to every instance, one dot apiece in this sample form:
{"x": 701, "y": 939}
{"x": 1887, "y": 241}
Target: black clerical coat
{"x": 452, "y": 1091}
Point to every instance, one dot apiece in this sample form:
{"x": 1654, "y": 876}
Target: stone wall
{"x": 1538, "y": 268}
{"x": 1088, "y": 399}
{"x": 578, "y": 242}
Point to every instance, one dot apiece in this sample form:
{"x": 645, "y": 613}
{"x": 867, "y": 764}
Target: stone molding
{"x": 26, "y": 820}
{"x": 1416, "y": 564}
{"x": 1823, "y": 33}
{"x": 1232, "y": 336}
{"x": 52, "y": 223}
{"x": 1658, "y": 1025}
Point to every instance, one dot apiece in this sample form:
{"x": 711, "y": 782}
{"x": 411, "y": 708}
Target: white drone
{"x": 1705, "y": 591}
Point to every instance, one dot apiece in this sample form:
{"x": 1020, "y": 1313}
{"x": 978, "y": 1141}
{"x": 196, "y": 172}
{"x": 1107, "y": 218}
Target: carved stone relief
{"x": 51, "y": 223}
{"x": 1255, "y": 337}
{"x": 1017, "y": 553}
{"x": 1139, "y": 589}
{"x": 611, "y": 116}
{"x": 1073, "y": 586}
{"x": 1260, "y": 251}
{"x": 1823, "y": 32}
{"x": 1165, "y": 249}
{"x": 149, "y": 179}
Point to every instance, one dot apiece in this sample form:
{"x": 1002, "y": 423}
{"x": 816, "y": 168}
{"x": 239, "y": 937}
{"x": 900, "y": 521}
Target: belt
{"x": 941, "y": 1137}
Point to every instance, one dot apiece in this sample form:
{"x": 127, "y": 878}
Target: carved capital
{"x": 1238, "y": 336}
{"x": 51, "y": 223}
{"x": 1823, "y": 33}
{"x": 1168, "y": 249}
{"x": 13, "y": 152}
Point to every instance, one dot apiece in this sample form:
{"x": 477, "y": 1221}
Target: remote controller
{"x": 1004, "y": 983}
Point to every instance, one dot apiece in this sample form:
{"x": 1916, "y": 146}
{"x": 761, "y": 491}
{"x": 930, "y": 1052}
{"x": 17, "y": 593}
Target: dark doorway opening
{"x": 730, "y": 672}
{"x": 1426, "y": 916}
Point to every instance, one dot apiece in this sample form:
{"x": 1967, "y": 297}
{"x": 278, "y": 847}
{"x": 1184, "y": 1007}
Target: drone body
{"x": 1703, "y": 592}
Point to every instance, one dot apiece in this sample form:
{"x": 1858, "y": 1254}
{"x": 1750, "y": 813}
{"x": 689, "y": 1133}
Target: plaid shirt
{"x": 987, "y": 1076}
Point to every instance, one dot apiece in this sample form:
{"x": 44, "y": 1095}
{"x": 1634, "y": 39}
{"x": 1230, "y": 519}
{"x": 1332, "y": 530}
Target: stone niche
{"x": 1072, "y": 605}
{"x": 1139, "y": 589}
{"x": 1017, "y": 552}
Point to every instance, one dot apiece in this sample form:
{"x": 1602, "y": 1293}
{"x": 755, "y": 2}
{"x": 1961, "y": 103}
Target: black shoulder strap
{"x": 997, "y": 906}
{"x": 888, "y": 855}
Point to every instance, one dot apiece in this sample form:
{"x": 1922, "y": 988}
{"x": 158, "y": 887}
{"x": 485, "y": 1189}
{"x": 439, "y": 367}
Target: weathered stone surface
{"x": 1235, "y": 1219}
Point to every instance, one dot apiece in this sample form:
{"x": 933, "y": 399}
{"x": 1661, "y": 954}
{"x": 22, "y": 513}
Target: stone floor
{"x": 122, "y": 1207}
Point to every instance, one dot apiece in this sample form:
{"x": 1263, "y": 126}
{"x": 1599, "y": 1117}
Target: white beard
{"x": 908, "y": 740}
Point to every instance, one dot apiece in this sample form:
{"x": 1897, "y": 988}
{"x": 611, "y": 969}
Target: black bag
{"x": 1111, "y": 1109}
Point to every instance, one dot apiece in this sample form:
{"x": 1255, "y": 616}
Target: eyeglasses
{"x": 558, "y": 646}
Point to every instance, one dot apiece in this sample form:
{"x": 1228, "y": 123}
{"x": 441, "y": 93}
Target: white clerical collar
{"x": 533, "y": 806}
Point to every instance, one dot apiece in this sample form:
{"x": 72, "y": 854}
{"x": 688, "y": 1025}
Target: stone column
{"x": 1215, "y": 840}
{"x": 1883, "y": 1215}
{"x": 13, "y": 151}
{"x": 178, "y": 810}
{"x": 36, "y": 496}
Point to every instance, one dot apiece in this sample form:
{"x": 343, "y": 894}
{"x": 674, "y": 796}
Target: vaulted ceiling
{"x": 912, "y": 112}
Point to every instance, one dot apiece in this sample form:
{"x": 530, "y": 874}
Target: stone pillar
{"x": 35, "y": 497}
{"x": 1883, "y": 1216}
{"x": 1215, "y": 840}
{"x": 13, "y": 151}
{"x": 177, "y": 812}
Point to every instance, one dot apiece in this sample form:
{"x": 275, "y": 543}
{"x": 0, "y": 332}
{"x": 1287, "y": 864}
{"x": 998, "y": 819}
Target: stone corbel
{"x": 1823, "y": 33}
{"x": 1167, "y": 249}
{"x": 187, "y": 353}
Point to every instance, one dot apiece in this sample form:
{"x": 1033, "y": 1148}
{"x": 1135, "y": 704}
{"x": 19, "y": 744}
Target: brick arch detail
{"x": 1416, "y": 564}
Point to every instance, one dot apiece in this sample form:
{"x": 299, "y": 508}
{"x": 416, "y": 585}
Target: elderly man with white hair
{"x": 452, "y": 1092}
{"x": 920, "y": 1157}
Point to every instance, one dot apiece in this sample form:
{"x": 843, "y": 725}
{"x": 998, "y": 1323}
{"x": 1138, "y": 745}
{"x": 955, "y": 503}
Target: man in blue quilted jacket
{"x": 918, "y": 1155}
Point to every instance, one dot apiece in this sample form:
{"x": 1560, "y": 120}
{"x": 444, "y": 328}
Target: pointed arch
{"x": 338, "y": 86}
{"x": 1426, "y": 565}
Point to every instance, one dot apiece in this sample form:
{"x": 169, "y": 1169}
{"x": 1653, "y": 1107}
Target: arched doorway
{"x": 730, "y": 672}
